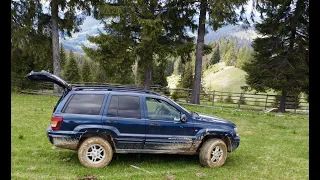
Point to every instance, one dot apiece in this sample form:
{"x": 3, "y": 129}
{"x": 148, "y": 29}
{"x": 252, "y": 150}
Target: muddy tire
{"x": 213, "y": 153}
{"x": 95, "y": 152}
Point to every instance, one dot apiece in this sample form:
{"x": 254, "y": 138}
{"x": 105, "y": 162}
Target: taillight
{"x": 56, "y": 122}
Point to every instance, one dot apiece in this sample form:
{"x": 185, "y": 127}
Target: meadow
{"x": 273, "y": 146}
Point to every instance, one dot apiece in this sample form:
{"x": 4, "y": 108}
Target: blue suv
{"x": 101, "y": 120}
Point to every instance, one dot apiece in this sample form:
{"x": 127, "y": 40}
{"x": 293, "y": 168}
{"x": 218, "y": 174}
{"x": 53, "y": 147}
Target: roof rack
{"x": 113, "y": 88}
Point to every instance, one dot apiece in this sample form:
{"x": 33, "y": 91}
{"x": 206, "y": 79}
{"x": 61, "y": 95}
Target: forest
{"x": 148, "y": 41}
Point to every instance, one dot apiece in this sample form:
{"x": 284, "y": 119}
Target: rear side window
{"x": 85, "y": 104}
{"x": 113, "y": 106}
{"x": 124, "y": 106}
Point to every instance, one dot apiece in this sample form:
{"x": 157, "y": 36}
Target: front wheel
{"x": 213, "y": 153}
{"x": 95, "y": 152}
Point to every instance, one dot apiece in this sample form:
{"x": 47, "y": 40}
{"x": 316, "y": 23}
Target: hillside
{"x": 224, "y": 78}
{"x": 219, "y": 78}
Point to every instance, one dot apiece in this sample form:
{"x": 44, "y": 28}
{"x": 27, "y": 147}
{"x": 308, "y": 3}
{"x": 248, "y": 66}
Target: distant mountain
{"x": 244, "y": 37}
{"x": 92, "y": 26}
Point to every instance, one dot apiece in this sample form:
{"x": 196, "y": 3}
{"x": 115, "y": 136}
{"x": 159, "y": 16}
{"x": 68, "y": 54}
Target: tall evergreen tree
{"x": 159, "y": 77}
{"x": 99, "y": 75}
{"x": 86, "y": 72}
{"x": 281, "y": 57}
{"x": 215, "y": 58}
{"x": 70, "y": 22}
{"x": 220, "y": 12}
{"x": 149, "y": 30}
{"x": 30, "y": 42}
{"x": 243, "y": 56}
{"x": 72, "y": 70}
{"x": 230, "y": 57}
{"x": 186, "y": 80}
{"x": 63, "y": 58}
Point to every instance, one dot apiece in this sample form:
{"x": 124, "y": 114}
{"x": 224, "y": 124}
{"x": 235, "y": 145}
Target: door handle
{"x": 111, "y": 121}
{"x": 154, "y": 124}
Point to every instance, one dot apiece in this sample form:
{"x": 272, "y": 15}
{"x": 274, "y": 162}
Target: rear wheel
{"x": 95, "y": 152}
{"x": 213, "y": 153}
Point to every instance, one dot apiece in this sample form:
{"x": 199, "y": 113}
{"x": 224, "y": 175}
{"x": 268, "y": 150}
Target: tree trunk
{"x": 147, "y": 80}
{"x": 55, "y": 43}
{"x": 283, "y": 98}
{"x": 195, "y": 99}
{"x": 136, "y": 72}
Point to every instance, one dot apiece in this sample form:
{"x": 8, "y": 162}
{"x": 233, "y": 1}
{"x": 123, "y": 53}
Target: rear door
{"x": 48, "y": 77}
{"x": 82, "y": 109}
{"x": 123, "y": 111}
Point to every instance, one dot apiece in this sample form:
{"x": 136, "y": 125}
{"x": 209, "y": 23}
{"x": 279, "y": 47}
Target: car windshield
{"x": 180, "y": 106}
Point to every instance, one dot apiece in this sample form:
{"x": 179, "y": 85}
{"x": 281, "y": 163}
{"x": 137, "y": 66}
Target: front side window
{"x": 124, "y": 106}
{"x": 161, "y": 110}
{"x": 85, "y": 104}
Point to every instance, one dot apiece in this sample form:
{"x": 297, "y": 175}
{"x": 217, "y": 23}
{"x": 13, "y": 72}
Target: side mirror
{"x": 183, "y": 118}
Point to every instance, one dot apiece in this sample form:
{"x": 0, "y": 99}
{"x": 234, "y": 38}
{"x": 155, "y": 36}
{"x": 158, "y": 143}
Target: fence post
{"x": 239, "y": 101}
{"x": 213, "y": 97}
{"x": 265, "y": 107}
{"x": 187, "y": 99}
{"x": 295, "y": 104}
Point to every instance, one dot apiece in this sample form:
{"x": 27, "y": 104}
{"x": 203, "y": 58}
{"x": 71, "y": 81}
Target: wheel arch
{"x": 223, "y": 137}
{"x": 105, "y": 135}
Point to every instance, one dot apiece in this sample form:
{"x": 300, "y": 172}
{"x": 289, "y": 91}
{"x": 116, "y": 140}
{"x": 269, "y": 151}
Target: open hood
{"x": 46, "y": 76}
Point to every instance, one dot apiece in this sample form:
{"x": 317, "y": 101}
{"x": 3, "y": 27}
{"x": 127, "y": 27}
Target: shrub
{"x": 242, "y": 99}
{"x": 228, "y": 99}
{"x": 175, "y": 96}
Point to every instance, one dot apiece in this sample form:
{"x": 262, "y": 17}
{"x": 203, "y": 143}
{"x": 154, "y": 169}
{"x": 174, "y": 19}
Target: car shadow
{"x": 155, "y": 158}
{"x": 135, "y": 158}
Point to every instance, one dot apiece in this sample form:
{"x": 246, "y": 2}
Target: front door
{"x": 164, "y": 130}
{"x": 123, "y": 115}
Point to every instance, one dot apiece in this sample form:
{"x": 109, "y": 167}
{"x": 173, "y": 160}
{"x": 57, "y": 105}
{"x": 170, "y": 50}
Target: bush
{"x": 242, "y": 99}
{"x": 175, "y": 96}
{"x": 228, "y": 99}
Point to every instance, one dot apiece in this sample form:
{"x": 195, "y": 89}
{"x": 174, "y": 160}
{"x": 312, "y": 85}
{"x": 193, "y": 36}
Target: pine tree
{"x": 63, "y": 58}
{"x": 215, "y": 58}
{"x": 99, "y": 75}
{"x": 244, "y": 55}
{"x": 230, "y": 57}
{"x": 86, "y": 72}
{"x": 147, "y": 30}
{"x": 69, "y": 23}
{"x": 159, "y": 77}
{"x": 71, "y": 70}
{"x": 186, "y": 80}
{"x": 30, "y": 42}
{"x": 281, "y": 57}
{"x": 220, "y": 12}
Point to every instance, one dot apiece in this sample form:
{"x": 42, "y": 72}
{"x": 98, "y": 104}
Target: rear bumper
{"x": 63, "y": 139}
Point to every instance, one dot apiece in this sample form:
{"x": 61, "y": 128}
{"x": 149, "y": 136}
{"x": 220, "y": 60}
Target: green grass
{"x": 229, "y": 80}
{"x": 272, "y": 147}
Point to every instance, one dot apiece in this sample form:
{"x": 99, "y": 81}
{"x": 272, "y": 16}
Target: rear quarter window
{"x": 84, "y": 104}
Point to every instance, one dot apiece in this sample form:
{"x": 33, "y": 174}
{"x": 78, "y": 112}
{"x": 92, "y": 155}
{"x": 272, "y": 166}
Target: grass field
{"x": 272, "y": 146}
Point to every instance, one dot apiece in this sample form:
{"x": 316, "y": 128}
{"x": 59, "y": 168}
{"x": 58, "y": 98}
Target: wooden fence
{"x": 240, "y": 100}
